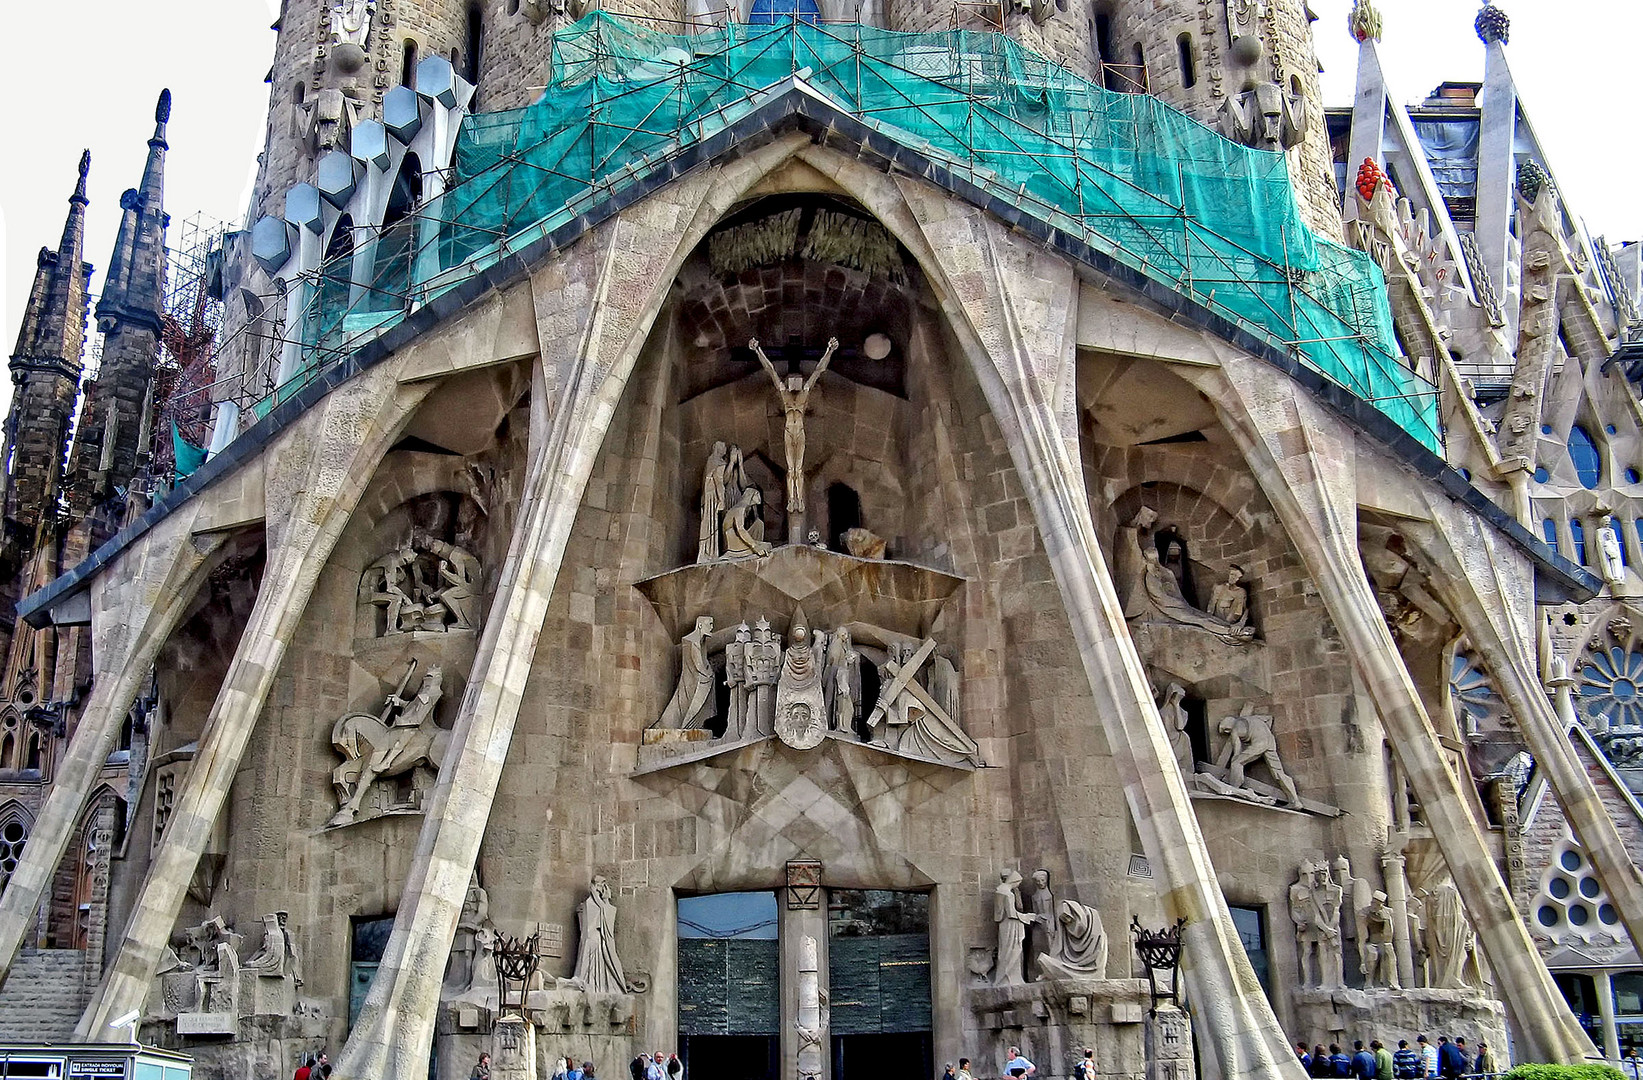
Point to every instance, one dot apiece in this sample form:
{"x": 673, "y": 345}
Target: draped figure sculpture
{"x": 598, "y": 967}
{"x": 1082, "y": 944}
{"x": 801, "y": 711}
{"x": 693, "y": 703}
{"x": 1151, "y": 592}
{"x": 1009, "y": 961}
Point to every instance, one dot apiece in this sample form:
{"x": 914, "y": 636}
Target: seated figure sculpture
{"x": 1151, "y": 592}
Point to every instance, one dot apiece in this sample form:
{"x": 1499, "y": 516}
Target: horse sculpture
{"x": 392, "y": 743}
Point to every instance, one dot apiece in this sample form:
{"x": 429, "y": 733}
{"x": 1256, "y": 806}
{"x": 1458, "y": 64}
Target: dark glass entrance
{"x": 878, "y": 962}
{"x": 729, "y": 986}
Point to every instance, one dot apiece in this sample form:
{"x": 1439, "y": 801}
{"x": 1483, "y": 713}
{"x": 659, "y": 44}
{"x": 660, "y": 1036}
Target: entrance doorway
{"x": 729, "y": 986}
{"x": 731, "y": 1057}
{"x": 878, "y": 961}
{"x": 867, "y": 1057}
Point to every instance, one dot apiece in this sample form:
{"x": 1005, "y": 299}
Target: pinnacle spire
{"x": 134, "y": 289}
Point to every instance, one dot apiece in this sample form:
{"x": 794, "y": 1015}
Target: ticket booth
{"x": 82, "y": 1061}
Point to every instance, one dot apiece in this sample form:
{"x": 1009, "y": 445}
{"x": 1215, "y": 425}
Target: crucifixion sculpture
{"x": 795, "y": 398}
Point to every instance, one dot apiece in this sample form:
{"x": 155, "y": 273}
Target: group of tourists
{"x": 1017, "y": 1067}
{"x": 1376, "y": 1062}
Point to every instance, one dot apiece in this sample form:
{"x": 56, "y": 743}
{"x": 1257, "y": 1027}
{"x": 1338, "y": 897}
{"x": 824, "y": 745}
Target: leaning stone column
{"x": 1305, "y": 461}
{"x": 595, "y": 307}
{"x": 316, "y": 474}
{"x": 1462, "y": 555}
{"x": 1013, "y": 309}
{"x": 135, "y": 605}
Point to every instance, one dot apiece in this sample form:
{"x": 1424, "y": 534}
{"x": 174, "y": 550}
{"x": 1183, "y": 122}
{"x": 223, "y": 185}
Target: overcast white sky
{"x": 85, "y": 73}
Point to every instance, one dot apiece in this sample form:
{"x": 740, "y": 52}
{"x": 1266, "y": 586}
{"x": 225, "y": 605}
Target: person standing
{"x": 1320, "y": 1063}
{"x": 1383, "y": 1060}
{"x": 306, "y": 1069}
{"x": 1085, "y": 1070}
{"x": 964, "y": 1069}
{"x": 482, "y": 1068}
{"x": 1406, "y": 1062}
{"x": 639, "y": 1067}
{"x": 1429, "y": 1056}
{"x": 1451, "y": 1059}
{"x": 575, "y": 1070}
{"x": 1018, "y": 1066}
{"x": 1484, "y": 1063}
{"x": 1363, "y": 1062}
{"x": 675, "y": 1068}
{"x": 656, "y": 1070}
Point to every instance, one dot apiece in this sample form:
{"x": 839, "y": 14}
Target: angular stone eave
{"x": 798, "y": 109}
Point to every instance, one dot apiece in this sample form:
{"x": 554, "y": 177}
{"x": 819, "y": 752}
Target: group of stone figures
{"x": 813, "y": 686}
{"x": 201, "y": 974}
{"x": 425, "y": 584}
{"x": 1064, "y": 938}
{"x": 471, "y": 972}
{"x": 1424, "y": 935}
{"x": 1246, "y": 740}
{"x": 1151, "y": 570}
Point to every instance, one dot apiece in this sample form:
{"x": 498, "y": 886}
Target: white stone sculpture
{"x": 1451, "y": 944}
{"x": 1083, "y": 944}
{"x": 811, "y": 1021}
{"x": 351, "y": 21}
{"x": 1383, "y": 958}
{"x": 402, "y": 737}
{"x": 742, "y": 534}
{"x": 795, "y": 398}
{"x": 1153, "y": 593}
{"x": 736, "y": 725}
{"x": 843, "y": 681}
{"x": 908, "y": 719}
{"x": 1229, "y": 602}
{"x": 764, "y": 665}
{"x": 1315, "y": 908}
{"x": 1357, "y": 898}
{"x": 425, "y": 585}
{"x": 1009, "y": 961}
{"x": 863, "y": 543}
{"x": 1045, "y": 934}
{"x": 693, "y": 703}
{"x": 461, "y": 574}
{"x": 1248, "y": 739}
{"x": 598, "y": 967}
{"x": 1611, "y": 562}
{"x": 1175, "y": 717}
{"x": 278, "y": 955}
{"x": 714, "y": 500}
{"x": 471, "y": 924}
{"x": 801, "y": 709}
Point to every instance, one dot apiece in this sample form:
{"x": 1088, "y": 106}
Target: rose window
{"x": 1611, "y": 686}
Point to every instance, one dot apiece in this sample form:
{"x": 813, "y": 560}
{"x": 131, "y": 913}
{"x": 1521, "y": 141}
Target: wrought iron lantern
{"x": 1160, "y": 951}
{"x": 516, "y": 961}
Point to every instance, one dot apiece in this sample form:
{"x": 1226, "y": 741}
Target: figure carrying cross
{"x": 795, "y": 398}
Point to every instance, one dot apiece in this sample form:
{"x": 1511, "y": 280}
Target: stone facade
{"x": 430, "y": 674}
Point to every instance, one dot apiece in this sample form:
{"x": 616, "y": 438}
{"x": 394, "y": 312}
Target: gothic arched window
{"x": 1587, "y": 461}
{"x": 14, "y": 834}
{"x": 1548, "y": 529}
{"x": 1577, "y": 533}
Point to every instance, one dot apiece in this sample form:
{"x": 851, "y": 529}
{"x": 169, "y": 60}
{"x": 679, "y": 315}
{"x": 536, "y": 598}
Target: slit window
{"x": 476, "y": 29}
{"x": 1587, "y": 461}
{"x": 407, "y": 63}
{"x": 1577, "y": 533}
{"x": 1189, "y": 70}
{"x": 1548, "y": 529}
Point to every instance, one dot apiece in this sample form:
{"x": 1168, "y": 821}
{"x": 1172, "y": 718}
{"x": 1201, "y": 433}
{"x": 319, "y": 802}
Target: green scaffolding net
{"x": 1124, "y": 173}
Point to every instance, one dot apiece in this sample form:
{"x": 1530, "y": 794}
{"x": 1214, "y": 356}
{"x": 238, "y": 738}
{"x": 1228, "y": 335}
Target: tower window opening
{"x": 407, "y": 63}
{"x": 1584, "y": 453}
{"x": 765, "y": 12}
{"x": 1548, "y": 529}
{"x": 476, "y": 29}
{"x": 1189, "y": 70}
{"x": 1295, "y": 85}
{"x": 1577, "y": 533}
{"x": 299, "y": 92}
{"x": 1103, "y": 38}
{"x": 1140, "y": 57}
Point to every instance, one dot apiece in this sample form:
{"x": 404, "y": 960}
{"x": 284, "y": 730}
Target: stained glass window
{"x": 1583, "y": 452}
